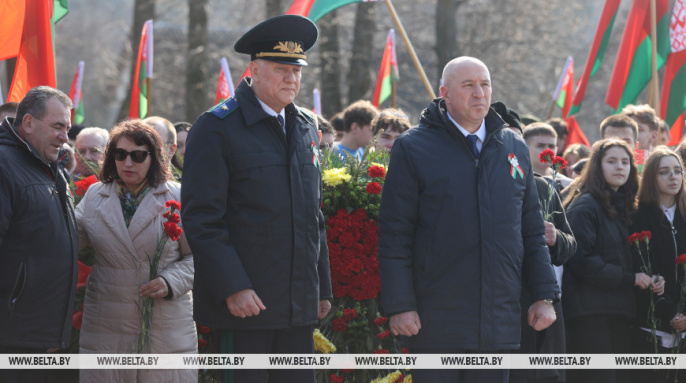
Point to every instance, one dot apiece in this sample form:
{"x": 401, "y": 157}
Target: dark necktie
{"x": 472, "y": 140}
{"x": 282, "y": 122}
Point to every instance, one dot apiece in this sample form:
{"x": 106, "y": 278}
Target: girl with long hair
{"x": 598, "y": 282}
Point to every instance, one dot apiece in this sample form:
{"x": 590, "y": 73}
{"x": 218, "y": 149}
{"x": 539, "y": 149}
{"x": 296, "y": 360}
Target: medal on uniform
{"x": 514, "y": 166}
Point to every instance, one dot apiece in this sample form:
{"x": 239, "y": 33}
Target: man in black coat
{"x": 38, "y": 236}
{"x": 459, "y": 228}
{"x": 251, "y": 200}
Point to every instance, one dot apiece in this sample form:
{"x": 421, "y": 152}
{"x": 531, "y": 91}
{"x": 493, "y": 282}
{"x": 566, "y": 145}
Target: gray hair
{"x": 36, "y": 100}
{"x": 95, "y": 131}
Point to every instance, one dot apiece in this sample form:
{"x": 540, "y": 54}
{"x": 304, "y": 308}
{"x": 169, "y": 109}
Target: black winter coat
{"x": 38, "y": 248}
{"x": 456, "y": 234}
{"x": 662, "y": 255}
{"x": 599, "y": 279}
{"x": 251, "y": 211}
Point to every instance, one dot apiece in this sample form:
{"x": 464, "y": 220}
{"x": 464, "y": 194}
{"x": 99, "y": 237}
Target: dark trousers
{"x": 297, "y": 340}
{"x": 599, "y": 334}
{"x": 34, "y": 376}
{"x": 644, "y": 345}
{"x": 458, "y": 376}
{"x": 524, "y": 379}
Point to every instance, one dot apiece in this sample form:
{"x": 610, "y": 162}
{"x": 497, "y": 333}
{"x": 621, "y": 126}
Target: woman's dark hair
{"x": 593, "y": 181}
{"x": 141, "y": 134}
{"x": 648, "y": 193}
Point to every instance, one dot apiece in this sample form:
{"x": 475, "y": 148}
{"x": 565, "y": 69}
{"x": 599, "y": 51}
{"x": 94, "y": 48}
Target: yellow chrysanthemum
{"x": 390, "y": 378}
{"x": 322, "y": 344}
{"x": 335, "y": 176}
{"x": 408, "y": 379}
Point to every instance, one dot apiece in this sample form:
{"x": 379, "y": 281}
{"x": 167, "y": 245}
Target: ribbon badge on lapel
{"x": 315, "y": 154}
{"x": 514, "y": 166}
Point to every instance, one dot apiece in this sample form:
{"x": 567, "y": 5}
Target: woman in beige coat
{"x": 122, "y": 219}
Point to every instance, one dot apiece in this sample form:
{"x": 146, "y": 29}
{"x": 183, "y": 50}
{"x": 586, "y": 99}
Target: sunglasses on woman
{"x": 137, "y": 156}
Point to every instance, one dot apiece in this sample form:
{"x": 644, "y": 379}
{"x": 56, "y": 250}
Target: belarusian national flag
{"x": 673, "y": 102}
{"x": 565, "y": 88}
{"x": 60, "y": 9}
{"x": 11, "y": 26}
{"x": 36, "y": 61}
{"x": 388, "y": 72}
{"x": 77, "y": 114}
{"x": 225, "y": 86}
{"x": 633, "y": 66}
{"x": 315, "y": 9}
{"x": 140, "y": 100}
{"x": 595, "y": 56}
{"x": 574, "y": 133}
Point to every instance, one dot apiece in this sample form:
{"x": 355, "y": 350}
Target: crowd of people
{"x": 484, "y": 246}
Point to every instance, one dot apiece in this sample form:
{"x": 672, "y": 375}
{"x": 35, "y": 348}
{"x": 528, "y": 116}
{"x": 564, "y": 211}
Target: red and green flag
{"x": 140, "y": 91}
{"x": 595, "y": 56}
{"x": 315, "y": 9}
{"x": 565, "y": 87}
{"x": 673, "y": 102}
{"x": 225, "y": 86}
{"x": 60, "y": 9}
{"x": 388, "y": 72}
{"x": 77, "y": 114}
{"x": 36, "y": 57}
{"x": 633, "y": 66}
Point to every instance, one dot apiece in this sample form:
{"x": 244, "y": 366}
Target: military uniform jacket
{"x": 251, "y": 201}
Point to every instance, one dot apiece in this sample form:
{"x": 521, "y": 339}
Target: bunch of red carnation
{"x": 171, "y": 225}
{"x": 352, "y": 240}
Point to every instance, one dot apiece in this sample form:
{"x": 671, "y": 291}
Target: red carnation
{"x": 83, "y": 185}
{"x": 336, "y": 379}
{"x": 646, "y": 236}
{"x": 559, "y": 161}
{"x": 383, "y": 335}
{"x": 172, "y": 230}
{"x": 349, "y": 314}
{"x": 380, "y": 321}
{"x": 346, "y": 370}
{"x": 401, "y": 379}
{"x": 174, "y": 204}
{"x": 204, "y": 329}
{"x": 547, "y": 156}
{"x": 635, "y": 237}
{"x": 373, "y": 188}
{"x": 376, "y": 171}
{"x": 339, "y": 325}
{"x": 681, "y": 259}
{"x": 382, "y": 351}
{"x": 202, "y": 343}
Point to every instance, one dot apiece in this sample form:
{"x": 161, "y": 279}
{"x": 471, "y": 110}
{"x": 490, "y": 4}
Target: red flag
{"x": 673, "y": 90}
{"x": 140, "y": 97}
{"x": 225, "y": 86}
{"x": 11, "y": 25}
{"x": 36, "y": 60}
{"x": 574, "y": 133}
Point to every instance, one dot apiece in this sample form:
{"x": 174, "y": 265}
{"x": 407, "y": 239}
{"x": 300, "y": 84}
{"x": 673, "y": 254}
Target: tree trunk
{"x": 329, "y": 51}
{"x": 197, "y": 69}
{"x": 143, "y": 10}
{"x": 361, "y": 64}
{"x": 446, "y": 33}
{"x": 273, "y": 8}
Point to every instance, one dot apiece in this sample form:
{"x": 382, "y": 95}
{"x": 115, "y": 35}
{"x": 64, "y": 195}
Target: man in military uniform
{"x": 251, "y": 202}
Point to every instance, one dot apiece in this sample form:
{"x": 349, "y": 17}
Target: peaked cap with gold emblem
{"x": 283, "y": 39}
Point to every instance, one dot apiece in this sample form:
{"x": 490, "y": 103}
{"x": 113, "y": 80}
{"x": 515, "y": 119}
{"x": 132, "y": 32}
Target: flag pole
{"x": 148, "y": 85}
{"x": 550, "y": 111}
{"x": 654, "y": 91}
{"x": 393, "y": 94}
{"x": 410, "y": 49}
